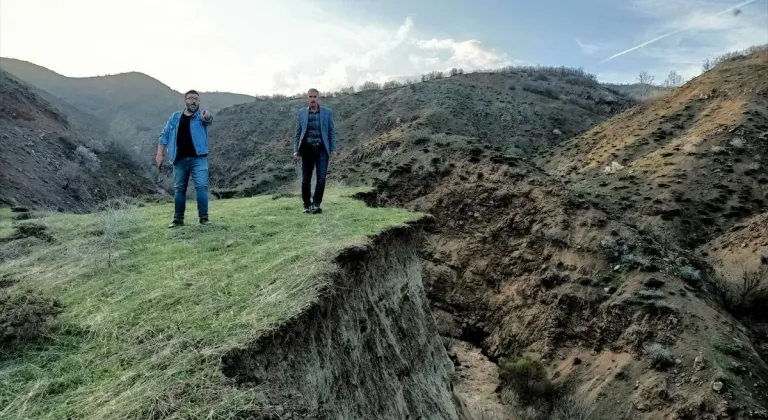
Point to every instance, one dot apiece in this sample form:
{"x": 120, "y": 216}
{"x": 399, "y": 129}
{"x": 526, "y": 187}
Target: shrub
{"x": 87, "y": 158}
{"x": 689, "y": 274}
{"x": 571, "y": 408}
{"x": 555, "y": 235}
{"x": 659, "y": 356}
{"x": 32, "y": 229}
{"x": 368, "y": 85}
{"x": 25, "y": 316}
{"x": 527, "y": 378}
{"x": 541, "y": 89}
{"x": 635, "y": 261}
{"x": 745, "y": 296}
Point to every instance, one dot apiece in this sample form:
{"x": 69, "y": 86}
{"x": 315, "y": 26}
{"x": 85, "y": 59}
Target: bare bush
{"x": 116, "y": 221}
{"x": 659, "y": 356}
{"x": 392, "y": 84}
{"x": 674, "y": 79}
{"x": 743, "y": 296}
{"x": 709, "y": 64}
{"x": 74, "y": 180}
{"x": 645, "y": 78}
{"x": 571, "y": 408}
{"x": 433, "y": 75}
{"x": 347, "y": 90}
{"x": 542, "y": 89}
{"x": 87, "y": 158}
{"x": 370, "y": 86}
{"x": 691, "y": 275}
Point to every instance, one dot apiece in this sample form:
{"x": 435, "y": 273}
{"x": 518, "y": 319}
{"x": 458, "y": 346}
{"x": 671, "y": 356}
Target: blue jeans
{"x": 313, "y": 158}
{"x": 197, "y": 167}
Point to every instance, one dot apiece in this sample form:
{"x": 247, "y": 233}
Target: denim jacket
{"x": 198, "y": 128}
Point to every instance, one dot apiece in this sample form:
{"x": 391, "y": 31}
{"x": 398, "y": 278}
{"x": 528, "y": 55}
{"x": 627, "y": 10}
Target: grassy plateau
{"x": 147, "y": 311}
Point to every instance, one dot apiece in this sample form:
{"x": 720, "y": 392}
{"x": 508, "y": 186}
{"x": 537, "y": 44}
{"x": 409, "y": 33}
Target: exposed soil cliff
{"x": 369, "y": 349}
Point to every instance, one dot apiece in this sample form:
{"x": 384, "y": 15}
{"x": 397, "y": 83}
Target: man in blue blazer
{"x": 314, "y": 142}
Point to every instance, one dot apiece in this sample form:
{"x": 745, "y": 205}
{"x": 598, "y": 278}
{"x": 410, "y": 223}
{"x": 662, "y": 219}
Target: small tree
{"x": 370, "y": 86}
{"x": 392, "y": 84}
{"x": 673, "y": 80}
{"x": 707, "y": 65}
{"x": 645, "y": 79}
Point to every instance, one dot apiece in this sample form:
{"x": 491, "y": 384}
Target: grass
{"x": 146, "y": 317}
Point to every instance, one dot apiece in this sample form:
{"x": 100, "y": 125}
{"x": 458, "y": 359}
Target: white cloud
{"x": 589, "y": 48}
{"x": 230, "y": 45}
{"x": 685, "y": 33}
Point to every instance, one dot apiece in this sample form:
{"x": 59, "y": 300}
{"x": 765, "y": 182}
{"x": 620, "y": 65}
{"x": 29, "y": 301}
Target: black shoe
{"x": 307, "y": 209}
{"x": 176, "y": 223}
{"x": 204, "y": 221}
{"x": 316, "y": 209}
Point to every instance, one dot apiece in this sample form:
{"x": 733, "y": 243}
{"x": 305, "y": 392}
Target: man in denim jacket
{"x": 185, "y": 136}
{"x": 313, "y": 141}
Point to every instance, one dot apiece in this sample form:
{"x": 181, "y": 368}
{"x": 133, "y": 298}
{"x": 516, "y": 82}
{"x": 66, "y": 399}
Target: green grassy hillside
{"x": 140, "y": 314}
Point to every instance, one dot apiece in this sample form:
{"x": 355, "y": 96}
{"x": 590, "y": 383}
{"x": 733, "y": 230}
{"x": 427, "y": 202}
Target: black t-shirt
{"x": 184, "y": 145}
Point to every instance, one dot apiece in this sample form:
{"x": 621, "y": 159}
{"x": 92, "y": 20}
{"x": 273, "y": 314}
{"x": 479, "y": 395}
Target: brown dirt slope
{"x": 512, "y": 112}
{"x": 738, "y": 261}
{"x": 743, "y": 247}
{"x": 691, "y": 162}
{"x": 55, "y": 157}
{"x": 521, "y": 262}
{"x": 517, "y": 264}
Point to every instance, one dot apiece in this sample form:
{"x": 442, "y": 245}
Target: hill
{"x": 639, "y": 91}
{"x": 614, "y": 307}
{"x": 514, "y": 111}
{"x": 109, "y": 316}
{"x": 56, "y": 156}
{"x": 689, "y": 162}
{"x": 134, "y": 105}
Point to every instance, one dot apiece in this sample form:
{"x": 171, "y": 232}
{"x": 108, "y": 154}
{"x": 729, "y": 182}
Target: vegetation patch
{"x": 537, "y": 396}
{"x": 744, "y": 295}
{"x": 25, "y": 317}
{"x": 150, "y": 310}
{"x": 659, "y": 356}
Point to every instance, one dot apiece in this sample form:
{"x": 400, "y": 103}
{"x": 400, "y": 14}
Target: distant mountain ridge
{"x": 134, "y": 106}
{"x": 57, "y": 157}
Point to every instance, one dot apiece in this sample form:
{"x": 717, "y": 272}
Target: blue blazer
{"x": 327, "y": 128}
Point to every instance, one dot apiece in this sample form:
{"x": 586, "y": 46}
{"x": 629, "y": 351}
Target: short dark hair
{"x": 191, "y": 91}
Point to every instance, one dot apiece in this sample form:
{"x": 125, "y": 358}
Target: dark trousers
{"x": 313, "y": 158}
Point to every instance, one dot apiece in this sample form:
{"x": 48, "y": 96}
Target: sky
{"x": 287, "y": 46}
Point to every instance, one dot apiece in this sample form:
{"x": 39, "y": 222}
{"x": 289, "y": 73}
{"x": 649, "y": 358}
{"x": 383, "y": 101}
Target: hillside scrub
{"x": 147, "y": 312}
{"x": 536, "y": 395}
{"x": 25, "y": 317}
{"x": 744, "y": 295}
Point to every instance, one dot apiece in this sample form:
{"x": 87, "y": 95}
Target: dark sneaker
{"x": 204, "y": 221}
{"x": 307, "y": 209}
{"x": 176, "y": 223}
{"x": 316, "y": 209}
